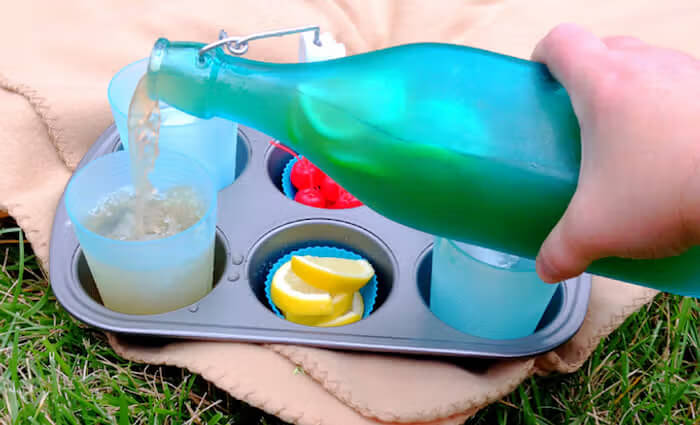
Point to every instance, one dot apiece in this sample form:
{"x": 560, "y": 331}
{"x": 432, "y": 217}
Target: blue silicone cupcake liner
{"x": 287, "y": 187}
{"x": 368, "y": 292}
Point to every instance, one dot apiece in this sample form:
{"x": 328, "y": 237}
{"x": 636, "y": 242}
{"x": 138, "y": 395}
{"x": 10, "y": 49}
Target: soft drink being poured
{"x": 454, "y": 141}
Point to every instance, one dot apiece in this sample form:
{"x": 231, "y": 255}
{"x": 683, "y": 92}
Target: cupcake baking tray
{"x": 257, "y": 225}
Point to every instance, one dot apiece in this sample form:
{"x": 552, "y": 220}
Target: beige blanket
{"x": 57, "y": 60}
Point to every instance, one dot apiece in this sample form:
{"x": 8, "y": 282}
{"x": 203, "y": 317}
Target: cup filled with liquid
{"x": 149, "y": 246}
{"x": 486, "y": 293}
{"x": 211, "y": 141}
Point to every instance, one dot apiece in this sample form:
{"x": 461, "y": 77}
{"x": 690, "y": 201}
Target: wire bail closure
{"x": 238, "y": 45}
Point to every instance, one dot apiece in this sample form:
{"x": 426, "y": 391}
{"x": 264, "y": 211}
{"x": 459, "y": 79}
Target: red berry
{"x": 330, "y": 189}
{"x": 305, "y": 174}
{"x": 311, "y": 197}
{"x": 318, "y": 175}
{"x": 346, "y": 200}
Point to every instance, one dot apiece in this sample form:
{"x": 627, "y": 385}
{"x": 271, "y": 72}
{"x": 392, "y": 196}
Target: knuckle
{"x": 563, "y": 31}
{"x": 557, "y": 38}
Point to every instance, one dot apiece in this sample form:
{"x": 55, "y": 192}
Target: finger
{"x": 623, "y": 42}
{"x": 572, "y": 54}
{"x": 562, "y": 255}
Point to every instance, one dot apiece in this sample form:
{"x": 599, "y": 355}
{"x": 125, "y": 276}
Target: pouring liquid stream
{"x": 147, "y": 210}
{"x": 144, "y": 129}
{"x": 142, "y": 212}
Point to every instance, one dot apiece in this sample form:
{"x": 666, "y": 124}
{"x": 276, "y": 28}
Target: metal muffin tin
{"x": 257, "y": 225}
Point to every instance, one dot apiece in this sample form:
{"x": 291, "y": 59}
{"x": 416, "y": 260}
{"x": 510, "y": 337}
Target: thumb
{"x": 561, "y": 255}
{"x": 573, "y": 55}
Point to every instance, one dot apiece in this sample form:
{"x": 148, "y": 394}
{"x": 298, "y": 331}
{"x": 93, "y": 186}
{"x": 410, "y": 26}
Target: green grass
{"x": 55, "y": 370}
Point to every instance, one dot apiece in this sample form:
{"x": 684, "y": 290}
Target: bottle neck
{"x": 255, "y": 94}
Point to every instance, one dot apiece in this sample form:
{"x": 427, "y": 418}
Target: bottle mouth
{"x": 155, "y": 61}
{"x": 157, "y": 54}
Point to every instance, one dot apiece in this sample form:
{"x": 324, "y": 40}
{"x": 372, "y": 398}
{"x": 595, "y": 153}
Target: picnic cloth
{"x": 57, "y": 60}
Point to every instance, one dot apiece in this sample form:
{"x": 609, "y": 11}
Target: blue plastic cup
{"x": 486, "y": 293}
{"x": 211, "y": 141}
{"x": 149, "y": 276}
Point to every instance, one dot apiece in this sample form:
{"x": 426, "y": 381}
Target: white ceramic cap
{"x": 329, "y": 49}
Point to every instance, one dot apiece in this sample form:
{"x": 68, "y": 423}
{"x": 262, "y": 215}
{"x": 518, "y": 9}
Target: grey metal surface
{"x": 258, "y": 224}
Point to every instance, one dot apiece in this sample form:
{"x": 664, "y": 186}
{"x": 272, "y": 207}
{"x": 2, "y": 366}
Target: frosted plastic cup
{"x": 149, "y": 276}
{"x": 212, "y": 141}
{"x": 486, "y": 293}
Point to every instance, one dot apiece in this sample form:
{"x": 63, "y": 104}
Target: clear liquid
{"x": 129, "y": 216}
{"x": 144, "y": 129}
{"x": 152, "y": 291}
{"x": 141, "y": 212}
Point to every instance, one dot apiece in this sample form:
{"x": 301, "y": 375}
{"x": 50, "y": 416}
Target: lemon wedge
{"x": 332, "y": 274}
{"x": 292, "y": 295}
{"x": 342, "y": 303}
{"x": 352, "y": 316}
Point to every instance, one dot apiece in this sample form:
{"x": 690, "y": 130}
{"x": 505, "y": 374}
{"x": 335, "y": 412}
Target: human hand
{"x": 638, "y": 194}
